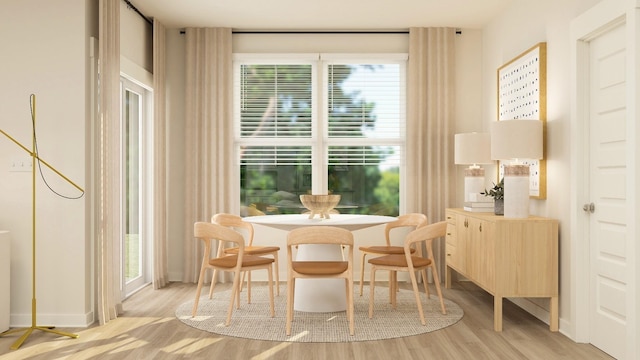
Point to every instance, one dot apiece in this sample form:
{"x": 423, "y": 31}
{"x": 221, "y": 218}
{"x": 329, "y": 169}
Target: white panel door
{"x": 608, "y": 166}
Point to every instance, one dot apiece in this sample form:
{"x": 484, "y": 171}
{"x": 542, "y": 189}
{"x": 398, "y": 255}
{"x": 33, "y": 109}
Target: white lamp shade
{"x": 516, "y": 139}
{"x": 472, "y": 148}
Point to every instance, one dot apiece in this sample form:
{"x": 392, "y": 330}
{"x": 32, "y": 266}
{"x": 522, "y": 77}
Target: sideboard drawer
{"x": 451, "y": 235}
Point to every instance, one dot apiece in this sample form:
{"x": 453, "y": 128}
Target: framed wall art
{"x": 522, "y": 94}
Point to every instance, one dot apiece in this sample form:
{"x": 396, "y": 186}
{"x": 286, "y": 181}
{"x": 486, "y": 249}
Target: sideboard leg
{"x": 553, "y": 314}
{"x": 497, "y": 313}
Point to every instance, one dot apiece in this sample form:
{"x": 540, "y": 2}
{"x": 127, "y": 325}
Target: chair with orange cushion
{"x": 236, "y": 222}
{"x": 411, "y": 263}
{"x": 412, "y": 220}
{"x": 319, "y": 269}
{"x": 208, "y": 233}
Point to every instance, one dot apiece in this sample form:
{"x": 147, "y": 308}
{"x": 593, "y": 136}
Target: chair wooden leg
{"x": 276, "y": 271}
{"x": 391, "y": 281}
{"x": 234, "y": 296}
{"x": 290, "y": 282}
{"x": 242, "y": 281}
{"x": 364, "y": 255}
{"x": 293, "y": 295}
{"x": 248, "y": 288}
{"x": 271, "y": 305}
{"x": 213, "y": 282}
{"x": 238, "y": 294}
{"x": 393, "y": 290}
{"x": 423, "y": 274}
{"x": 200, "y": 281}
{"x": 372, "y": 289}
{"x": 350, "y": 309}
{"x": 436, "y": 281}
{"x": 414, "y": 284}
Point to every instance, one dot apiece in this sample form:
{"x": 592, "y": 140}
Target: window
{"x": 327, "y": 124}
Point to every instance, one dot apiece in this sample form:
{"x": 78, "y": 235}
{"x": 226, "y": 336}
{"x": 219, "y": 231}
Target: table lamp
{"x": 513, "y": 141}
{"x": 473, "y": 149}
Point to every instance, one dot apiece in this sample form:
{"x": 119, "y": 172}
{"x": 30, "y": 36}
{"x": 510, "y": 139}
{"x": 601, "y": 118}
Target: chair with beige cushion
{"x": 412, "y": 220}
{"x": 319, "y": 269}
{"x": 411, "y": 263}
{"x": 208, "y": 233}
{"x": 236, "y": 222}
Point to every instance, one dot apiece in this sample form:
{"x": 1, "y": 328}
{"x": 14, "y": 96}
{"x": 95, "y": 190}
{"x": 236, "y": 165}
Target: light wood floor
{"x": 149, "y": 330}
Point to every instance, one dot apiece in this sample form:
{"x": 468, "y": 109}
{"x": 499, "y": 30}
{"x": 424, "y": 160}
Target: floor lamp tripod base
{"x": 28, "y": 331}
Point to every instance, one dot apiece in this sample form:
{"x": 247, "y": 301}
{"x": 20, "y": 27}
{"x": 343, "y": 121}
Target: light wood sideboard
{"x": 505, "y": 257}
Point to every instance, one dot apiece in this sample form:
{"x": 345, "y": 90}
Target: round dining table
{"x": 320, "y": 295}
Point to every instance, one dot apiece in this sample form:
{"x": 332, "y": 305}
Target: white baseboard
{"x": 57, "y": 320}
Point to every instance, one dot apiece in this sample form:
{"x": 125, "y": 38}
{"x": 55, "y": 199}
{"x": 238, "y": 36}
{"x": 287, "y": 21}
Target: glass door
{"x": 134, "y": 244}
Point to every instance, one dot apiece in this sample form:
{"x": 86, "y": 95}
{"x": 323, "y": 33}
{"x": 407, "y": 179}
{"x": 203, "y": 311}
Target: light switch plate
{"x": 21, "y": 164}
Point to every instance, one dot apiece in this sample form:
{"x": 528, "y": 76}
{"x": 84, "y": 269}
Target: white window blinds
{"x": 275, "y": 100}
{"x": 365, "y": 100}
{"x": 342, "y": 113}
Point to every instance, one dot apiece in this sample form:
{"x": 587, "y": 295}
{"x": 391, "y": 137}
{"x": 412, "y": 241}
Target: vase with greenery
{"x": 497, "y": 193}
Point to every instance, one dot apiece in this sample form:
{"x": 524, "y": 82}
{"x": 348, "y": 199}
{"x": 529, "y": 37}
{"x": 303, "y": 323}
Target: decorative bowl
{"x": 319, "y": 204}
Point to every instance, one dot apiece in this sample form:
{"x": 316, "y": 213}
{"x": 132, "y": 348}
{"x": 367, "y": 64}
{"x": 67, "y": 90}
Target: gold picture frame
{"x": 522, "y": 94}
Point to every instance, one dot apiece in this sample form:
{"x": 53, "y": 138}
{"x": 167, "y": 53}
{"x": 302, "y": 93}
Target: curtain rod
{"x": 306, "y": 32}
{"x": 321, "y": 32}
{"x": 458, "y": 32}
{"x": 131, "y": 6}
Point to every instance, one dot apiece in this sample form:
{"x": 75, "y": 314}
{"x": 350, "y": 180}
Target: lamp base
{"x": 516, "y": 191}
{"x": 473, "y": 184}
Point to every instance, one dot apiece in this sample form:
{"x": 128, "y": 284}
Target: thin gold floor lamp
{"x": 35, "y": 159}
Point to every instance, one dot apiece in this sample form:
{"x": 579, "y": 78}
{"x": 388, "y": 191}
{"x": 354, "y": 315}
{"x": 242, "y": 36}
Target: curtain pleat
{"x": 108, "y": 243}
{"x": 430, "y": 126}
{"x": 160, "y": 257}
{"x": 209, "y": 135}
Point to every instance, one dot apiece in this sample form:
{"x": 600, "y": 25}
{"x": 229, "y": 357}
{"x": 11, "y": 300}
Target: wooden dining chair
{"x": 411, "y": 263}
{"x": 412, "y": 220}
{"x": 209, "y": 232}
{"x": 236, "y": 222}
{"x": 319, "y": 269}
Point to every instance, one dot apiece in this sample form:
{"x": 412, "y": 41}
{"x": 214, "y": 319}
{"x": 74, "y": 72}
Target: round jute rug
{"x": 252, "y": 321}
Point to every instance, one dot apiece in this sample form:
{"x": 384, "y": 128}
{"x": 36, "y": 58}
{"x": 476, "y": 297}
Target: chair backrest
{"x": 320, "y": 235}
{"x": 207, "y": 231}
{"x": 414, "y": 220}
{"x": 234, "y": 221}
{"x": 425, "y": 233}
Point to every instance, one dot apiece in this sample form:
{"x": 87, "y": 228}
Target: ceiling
{"x": 313, "y": 15}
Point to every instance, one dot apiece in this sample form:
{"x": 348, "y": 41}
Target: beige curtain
{"x": 209, "y": 134}
{"x": 160, "y": 259}
{"x": 430, "y": 125}
{"x": 108, "y": 244}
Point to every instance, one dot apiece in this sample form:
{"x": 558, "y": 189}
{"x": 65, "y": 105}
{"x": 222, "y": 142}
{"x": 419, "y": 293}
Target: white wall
{"x": 135, "y": 39}
{"x": 45, "y": 51}
{"x": 523, "y": 25}
{"x": 469, "y": 94}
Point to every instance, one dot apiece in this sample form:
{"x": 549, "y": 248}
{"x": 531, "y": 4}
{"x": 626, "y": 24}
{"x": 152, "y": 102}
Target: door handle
{"x": 591, "y": 207}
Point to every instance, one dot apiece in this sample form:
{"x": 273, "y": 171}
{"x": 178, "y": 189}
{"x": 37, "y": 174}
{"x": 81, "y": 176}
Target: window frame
{"x": 320, "y": 140}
